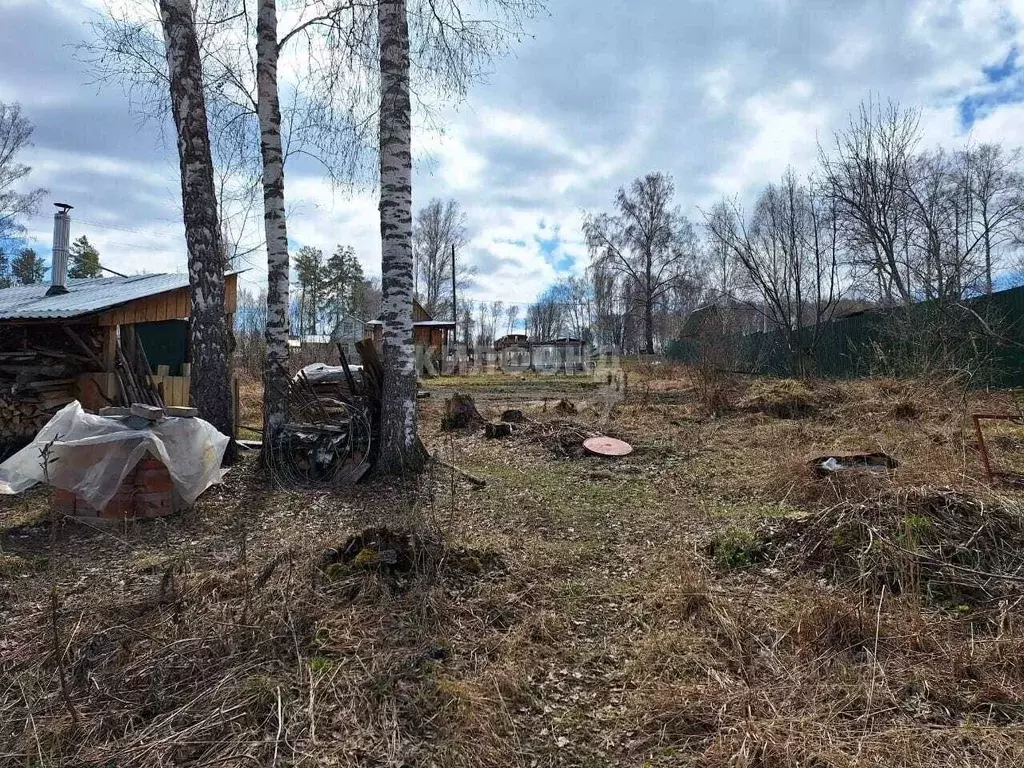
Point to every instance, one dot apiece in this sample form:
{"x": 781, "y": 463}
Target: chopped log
{"x": 478, "y": 482}
{"x": 91, "y": 355}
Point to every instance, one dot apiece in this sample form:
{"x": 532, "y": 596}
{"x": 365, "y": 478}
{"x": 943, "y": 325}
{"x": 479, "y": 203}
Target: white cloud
{"x": 783, "y": 132}
{"x": 725, "y": 101}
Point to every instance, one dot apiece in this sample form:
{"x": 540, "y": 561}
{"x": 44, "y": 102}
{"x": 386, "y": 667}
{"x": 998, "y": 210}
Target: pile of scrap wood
{"x": 40, "y": 368}
{"x": 330, "y": 434}
{"x": 38, "y": 371}
{"x": 134, "y": 370}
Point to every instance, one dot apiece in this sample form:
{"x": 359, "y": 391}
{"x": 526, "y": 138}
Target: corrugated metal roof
{"x": 433, "y": 323}
{"x": 84, "y": 297}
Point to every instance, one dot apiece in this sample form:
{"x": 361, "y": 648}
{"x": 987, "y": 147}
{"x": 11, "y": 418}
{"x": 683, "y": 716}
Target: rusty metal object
{"x": 329, "y": 436}
{"x": 986, "y": 460}
{"x": 607, "y": 446}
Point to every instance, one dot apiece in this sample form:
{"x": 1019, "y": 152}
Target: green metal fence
{"x": 983, "y": 337}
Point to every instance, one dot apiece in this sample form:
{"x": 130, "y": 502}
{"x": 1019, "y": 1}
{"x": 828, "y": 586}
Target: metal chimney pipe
{"x": 61, "y": 240}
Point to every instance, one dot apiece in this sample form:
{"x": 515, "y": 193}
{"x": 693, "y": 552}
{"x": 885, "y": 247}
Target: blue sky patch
{"x": 1006, "y": 86}
{"x": 550, "y": 247}
{"x": 999, "y": 72}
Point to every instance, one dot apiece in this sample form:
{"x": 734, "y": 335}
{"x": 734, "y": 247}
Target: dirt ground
{"x": 708, "y": 600}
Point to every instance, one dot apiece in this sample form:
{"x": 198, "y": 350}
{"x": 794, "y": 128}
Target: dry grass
{"x": 570, "y": 613}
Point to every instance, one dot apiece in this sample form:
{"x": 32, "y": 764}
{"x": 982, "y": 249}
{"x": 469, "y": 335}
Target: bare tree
{"x": 609, "y": 307}
{"x": 996, "y": 189}
{"x": 511, "y": 317}
{"x": 866, "y": 180}
{"x": 15, "y": 138}
{"x": 369, "y": 306}
{"x": 576, "y": 295}
{"x": 466, "y": 308}
{"x": 485, "y": 331}
{"x": 546, "y": 317}
{"x": 497, "y": 312}
{"x": 788, "y": 257}
{"x": 211, "y": 376}
{"x": 439, "y": 235}
{"x": 648, "y": 242}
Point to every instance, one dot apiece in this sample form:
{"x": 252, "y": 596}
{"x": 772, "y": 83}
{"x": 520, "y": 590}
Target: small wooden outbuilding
{"x": 80, "y": 345}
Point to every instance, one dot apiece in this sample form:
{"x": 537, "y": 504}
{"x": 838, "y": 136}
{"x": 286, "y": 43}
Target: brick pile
{"x": 146, "y": 492}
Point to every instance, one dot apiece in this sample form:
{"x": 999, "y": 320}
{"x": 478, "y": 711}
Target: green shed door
{"x": 166, "y": 343}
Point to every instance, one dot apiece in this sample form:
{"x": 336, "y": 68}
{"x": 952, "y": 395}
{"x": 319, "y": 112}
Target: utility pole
{"x": 455, "y": 313}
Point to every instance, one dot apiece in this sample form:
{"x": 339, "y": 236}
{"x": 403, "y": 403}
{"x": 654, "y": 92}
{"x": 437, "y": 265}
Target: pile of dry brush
{"x": 234, "y": 665}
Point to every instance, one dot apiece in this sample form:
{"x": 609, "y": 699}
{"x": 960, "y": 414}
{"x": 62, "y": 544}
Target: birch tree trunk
{"x": 211, "y": 374}
{"x": 399, "y": 444}
{"x": 275, "y": 370}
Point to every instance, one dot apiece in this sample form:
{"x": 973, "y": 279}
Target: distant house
{"x": 347, "y": 332}
{"x": 562, "y": 355}
{"x": 432, "y": 338}
{"x": 723, "y": 317}
{"x": 513, "y": 352}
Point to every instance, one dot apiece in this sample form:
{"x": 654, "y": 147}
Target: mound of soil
{"x": 562, "y": 438}
{"x": 955, "y": 551}
{"x": 782, "y": 398}
{"x": 398, "y": 555}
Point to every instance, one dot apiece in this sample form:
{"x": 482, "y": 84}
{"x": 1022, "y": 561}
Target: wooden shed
{"x": 88, "y": 344}
{"x": 431, "y": 337}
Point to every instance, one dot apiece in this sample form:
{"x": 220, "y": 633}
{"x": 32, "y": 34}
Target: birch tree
{"x": 995, "y": 184}
{"x": 787, "y": 257}
{"x": 511, "y": 317}
{"x": 211, "y": 382}
{"x": 865, "y": 176}
{"x": 15, "y": 138}
{"x": 400, "y": 447}
{"x": 268, "y": 109}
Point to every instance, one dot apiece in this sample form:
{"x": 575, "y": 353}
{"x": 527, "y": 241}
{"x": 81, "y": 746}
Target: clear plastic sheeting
{"x": 91, "y": 455}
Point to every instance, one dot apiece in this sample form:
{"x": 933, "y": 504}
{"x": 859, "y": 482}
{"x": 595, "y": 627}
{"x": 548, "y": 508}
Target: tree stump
{"x": 460, "y": 412}
{"x": 565, "y": 408}
{"x": 501, "y": 429}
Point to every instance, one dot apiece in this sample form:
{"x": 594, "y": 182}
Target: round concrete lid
{"x": 607, "y": 446}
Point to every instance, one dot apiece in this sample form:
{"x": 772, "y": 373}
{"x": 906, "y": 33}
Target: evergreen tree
{"x": 309, "y": 274}
{"x": 84, "y": 259}
{"x": 27, "y": 268}
{"x": 344, "y": 284}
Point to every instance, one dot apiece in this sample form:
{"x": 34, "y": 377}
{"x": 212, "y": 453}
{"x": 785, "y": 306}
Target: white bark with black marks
{"x": 211, "y": 376}
{"x": 399, "y": 440}
{"x": 275, "y": 372}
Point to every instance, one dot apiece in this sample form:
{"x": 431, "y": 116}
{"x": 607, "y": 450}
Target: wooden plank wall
{"x": 171, "y": 305}
{"x": 175, "y": 389}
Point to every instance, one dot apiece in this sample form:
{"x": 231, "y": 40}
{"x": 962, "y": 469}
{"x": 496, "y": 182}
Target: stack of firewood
{"x": 34, "y": 385}
{"x": 39, "y": 365}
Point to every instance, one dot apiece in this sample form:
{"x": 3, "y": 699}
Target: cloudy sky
{"x": 722, "y": 95}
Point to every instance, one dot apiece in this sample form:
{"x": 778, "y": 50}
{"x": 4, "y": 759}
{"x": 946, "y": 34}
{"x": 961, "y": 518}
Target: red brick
{"x": 153, "y": 504}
